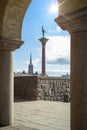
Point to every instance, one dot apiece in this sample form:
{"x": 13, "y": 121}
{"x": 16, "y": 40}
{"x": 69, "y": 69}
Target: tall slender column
{"x": 7, "y": 46}
{"x": 76, "y": 24}
{"x": 43, "y": 59}
{"x": 43, "y": 42}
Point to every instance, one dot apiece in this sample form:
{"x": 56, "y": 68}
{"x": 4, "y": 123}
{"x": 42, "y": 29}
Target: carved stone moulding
{"x": 73, "y": 22}
{"x": 8, "y": 44}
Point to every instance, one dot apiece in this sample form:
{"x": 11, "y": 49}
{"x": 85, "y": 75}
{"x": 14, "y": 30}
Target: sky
{"x": 43, "y": 13}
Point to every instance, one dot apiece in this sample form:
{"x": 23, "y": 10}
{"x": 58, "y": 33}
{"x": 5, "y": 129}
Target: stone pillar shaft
{"x": 76, "y": 24}
{"x": 43, "y": 41}
{"x": 6, "y": 88}
{"x": 7, "y": 46}
{"x": 43, "y": 60}
{"x": 79, "y": 81}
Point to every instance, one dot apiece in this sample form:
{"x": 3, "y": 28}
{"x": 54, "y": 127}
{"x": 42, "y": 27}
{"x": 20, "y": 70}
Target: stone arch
{"x": 11, "y": 18}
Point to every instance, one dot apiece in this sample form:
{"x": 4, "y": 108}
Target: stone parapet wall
{"x": 25, "y": 87}
{"x": 53, "y": 88}
{"x": 42, "y": 88}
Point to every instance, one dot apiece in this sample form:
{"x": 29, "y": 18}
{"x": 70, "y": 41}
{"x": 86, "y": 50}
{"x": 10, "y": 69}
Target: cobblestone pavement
{"x": 41, "y": 115}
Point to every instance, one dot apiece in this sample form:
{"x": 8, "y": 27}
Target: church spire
{"x": 30, "y": 67}
{"x": 30, "y": 59}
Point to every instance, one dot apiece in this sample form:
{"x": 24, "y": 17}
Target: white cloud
{"x": 61, "y": 61}
{"x": 57, "y": 30}
{"x": 58, "y": 47}
{"x": 36, "y": 62}
{"x": 51, "y": 31}
{"x": 27, "y": 63}
{"x": 58, "y": 70}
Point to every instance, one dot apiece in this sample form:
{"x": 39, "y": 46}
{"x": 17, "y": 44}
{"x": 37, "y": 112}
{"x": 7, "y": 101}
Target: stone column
{"x": 43, "y": 42}
{"x": 76, "y": 24}
{"x": 43, "y": 59}
{"x": 6, "y": 87}
{"x": 7, "y": 46}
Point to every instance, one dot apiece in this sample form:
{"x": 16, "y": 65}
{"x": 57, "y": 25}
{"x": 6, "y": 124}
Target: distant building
{"x": 30, "y": 67}
{"x": 66, "y": 76}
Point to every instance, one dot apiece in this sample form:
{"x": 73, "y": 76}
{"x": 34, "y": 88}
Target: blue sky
{"x": 43, "y": 13}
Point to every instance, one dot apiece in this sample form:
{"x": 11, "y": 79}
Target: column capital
{"x": 43, "y": 40}
{"x": 9, "y": 44}
{"x": 73, "y": 22}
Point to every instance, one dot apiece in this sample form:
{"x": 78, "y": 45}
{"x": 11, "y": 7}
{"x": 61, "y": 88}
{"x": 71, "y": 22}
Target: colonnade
{"x": 75, "y": 22}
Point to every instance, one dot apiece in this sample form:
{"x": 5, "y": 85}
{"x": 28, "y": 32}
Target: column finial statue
{"x": 43, "y": 31}
{"x": 43, "y": 41}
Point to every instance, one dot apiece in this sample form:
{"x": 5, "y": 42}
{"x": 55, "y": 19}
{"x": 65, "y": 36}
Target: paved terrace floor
{"x": 41, "y": 115}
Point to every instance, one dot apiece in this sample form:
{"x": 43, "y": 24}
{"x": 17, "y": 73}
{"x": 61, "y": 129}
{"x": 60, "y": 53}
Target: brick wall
{"x": 42, "y": 88}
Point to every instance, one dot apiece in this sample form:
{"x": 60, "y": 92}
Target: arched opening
{"x": 10, "y": 39}
{"x": 31, "y": 33}
{"x": 72, "y": 17}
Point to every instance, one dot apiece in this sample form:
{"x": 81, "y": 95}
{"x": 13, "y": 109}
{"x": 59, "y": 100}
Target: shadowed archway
{"x": 72, "y": 17}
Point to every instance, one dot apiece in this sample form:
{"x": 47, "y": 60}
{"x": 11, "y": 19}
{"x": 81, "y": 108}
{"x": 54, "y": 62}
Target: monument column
{"x": 76, "y": 24}
{"x": 7, "y": 46}
{"x": 43, "y": 41}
